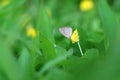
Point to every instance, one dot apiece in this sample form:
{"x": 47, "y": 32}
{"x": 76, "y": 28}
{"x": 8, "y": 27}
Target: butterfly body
{"x": 67, "y": 32}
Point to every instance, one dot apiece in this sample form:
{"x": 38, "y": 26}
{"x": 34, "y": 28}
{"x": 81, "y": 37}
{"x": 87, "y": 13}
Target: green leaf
{"x": 58, "y": 74}
{"x": 91, "y": 54}
{"x": 44, "y": 24}
{"x": 7, "y": 62}
{"x": 47, "y": 48}
{"x": 80, "y": 67}
{"x": 25, "y": 64}
{"x": 55, "y": 61}
{"x": 110, "y": 22}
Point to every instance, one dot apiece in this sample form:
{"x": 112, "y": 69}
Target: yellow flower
{"x": 4, "y": 3}
{"x": 75, "y": 36}
{"x": 86, "y": 5}
{"x": 31, "y": 31}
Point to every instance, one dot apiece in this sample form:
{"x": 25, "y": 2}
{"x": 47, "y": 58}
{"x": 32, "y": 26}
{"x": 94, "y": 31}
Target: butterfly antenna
{"x": 80, "y": 48}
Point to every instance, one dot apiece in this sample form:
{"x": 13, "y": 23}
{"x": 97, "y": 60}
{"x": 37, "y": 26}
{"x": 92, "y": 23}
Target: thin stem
{"x": 80, "y": 48}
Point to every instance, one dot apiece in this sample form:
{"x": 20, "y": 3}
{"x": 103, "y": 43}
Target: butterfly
{"x": 67, "y": 32}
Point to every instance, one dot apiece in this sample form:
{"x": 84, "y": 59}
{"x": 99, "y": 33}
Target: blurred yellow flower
{"x": 4, "y": 3}
{"x": 75, "y": 36}
{"x": 31, "y": 31}
{"x": 86, "y": 5}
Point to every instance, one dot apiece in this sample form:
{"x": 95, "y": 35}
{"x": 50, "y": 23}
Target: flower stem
{"x": 80, "y": 48}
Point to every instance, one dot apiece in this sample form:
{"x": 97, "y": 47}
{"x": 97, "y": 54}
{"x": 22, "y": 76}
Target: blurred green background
{"x": 32, "y": 48}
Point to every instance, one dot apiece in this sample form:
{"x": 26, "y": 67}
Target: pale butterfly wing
{"x": 66, "y": 31}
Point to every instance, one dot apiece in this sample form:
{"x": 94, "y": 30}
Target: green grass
{"x": 51, "y": 56}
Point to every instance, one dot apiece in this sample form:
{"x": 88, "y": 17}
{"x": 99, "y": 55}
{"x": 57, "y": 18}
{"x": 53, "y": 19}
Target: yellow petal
{"x": 75, "y": 36}
{"x": 86, "y": 5}
{"x": 31, "y": 32}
